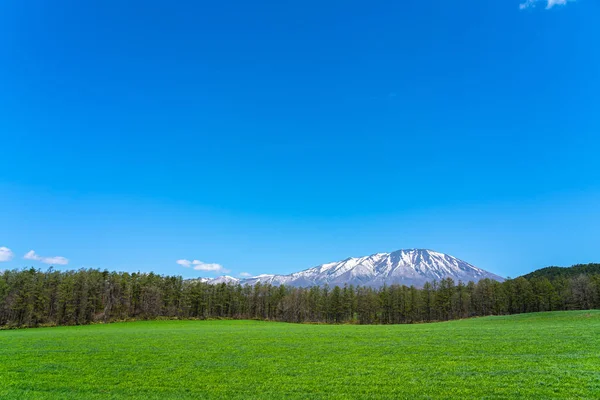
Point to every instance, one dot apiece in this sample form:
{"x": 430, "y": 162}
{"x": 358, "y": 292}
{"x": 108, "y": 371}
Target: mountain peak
{"x": 405, "y": 267}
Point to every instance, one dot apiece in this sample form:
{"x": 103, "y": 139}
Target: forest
{"x": 565, "y": 272}
{"x": 31, "y": 297}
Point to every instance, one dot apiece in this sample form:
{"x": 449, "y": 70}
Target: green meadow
{"x": 535, "y": 356}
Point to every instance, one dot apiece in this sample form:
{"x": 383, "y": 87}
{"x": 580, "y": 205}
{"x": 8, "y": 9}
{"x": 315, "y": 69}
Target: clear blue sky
{"x": 270, "y": 137}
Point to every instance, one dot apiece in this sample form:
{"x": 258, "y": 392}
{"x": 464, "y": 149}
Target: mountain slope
{"x": 564, "y": 272}
{"x": 405, "y": 267}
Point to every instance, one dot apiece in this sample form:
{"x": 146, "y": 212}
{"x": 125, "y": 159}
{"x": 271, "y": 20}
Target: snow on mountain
{"x": 404, "y": 267}
{"x": 224, "y": 279}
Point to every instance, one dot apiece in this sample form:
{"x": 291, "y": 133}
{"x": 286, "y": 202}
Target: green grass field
{"x": 538, "y": 356}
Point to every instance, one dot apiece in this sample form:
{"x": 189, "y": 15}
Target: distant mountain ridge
{"x": 404, "y": 267}
{"x": 564, "y": 272}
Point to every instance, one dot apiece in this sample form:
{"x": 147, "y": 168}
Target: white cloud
{"x": 552, "y": 3}
{"x": 202, "y": 266}
{"x": 6, "y": 254}
{"x": 245, "y": 274}
{"x": 549, "y": 3}
{"x": 32, "y": 256}
{"x": 55, "y": 260}
{"x": 46, "y": 260}
{"x": 184, "y": 263}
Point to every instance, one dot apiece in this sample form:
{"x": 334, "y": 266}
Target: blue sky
{"x": 269, "y": 137}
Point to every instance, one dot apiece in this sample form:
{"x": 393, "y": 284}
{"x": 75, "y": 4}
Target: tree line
{"x": 31, "y": 297}
{"x": 565, "y": 272}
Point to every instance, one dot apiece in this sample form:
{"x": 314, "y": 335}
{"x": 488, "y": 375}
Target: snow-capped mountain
{"x": 404, "y": 267}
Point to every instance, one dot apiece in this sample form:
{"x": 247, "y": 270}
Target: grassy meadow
{"x": 535, "y": 356}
